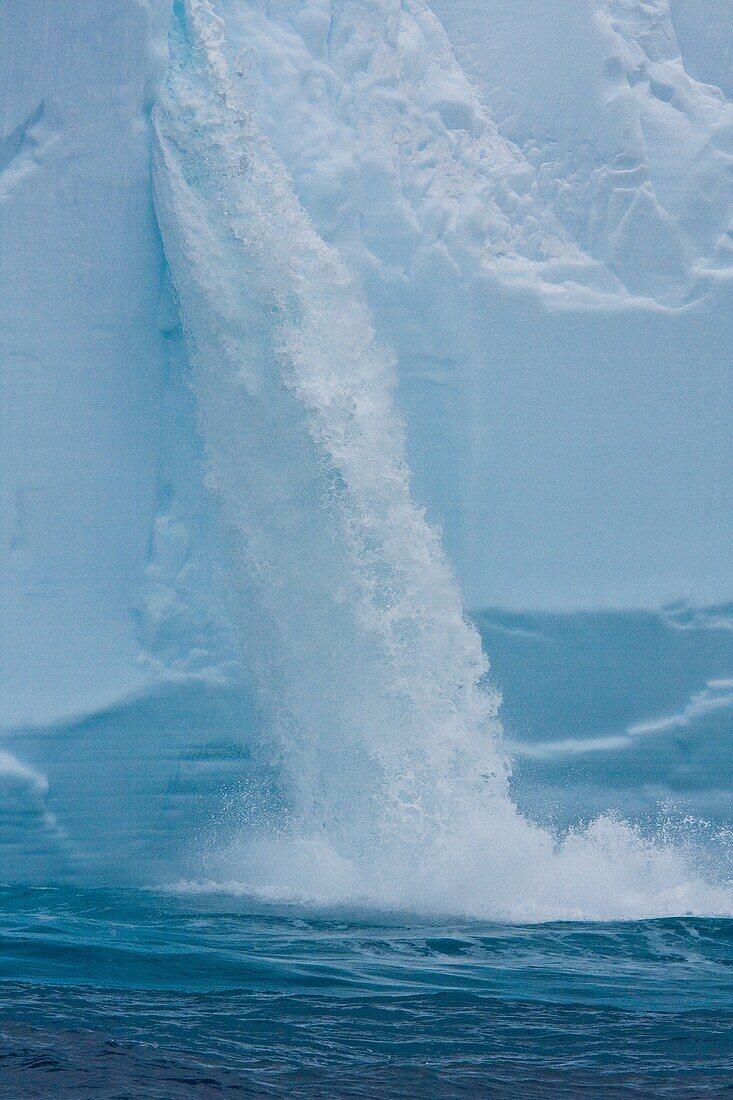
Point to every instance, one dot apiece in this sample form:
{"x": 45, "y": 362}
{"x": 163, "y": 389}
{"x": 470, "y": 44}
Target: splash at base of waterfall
{"x": 499, "y": 867}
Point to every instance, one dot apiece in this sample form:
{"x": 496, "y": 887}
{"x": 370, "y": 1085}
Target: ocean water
{"x": 149, "y": 994}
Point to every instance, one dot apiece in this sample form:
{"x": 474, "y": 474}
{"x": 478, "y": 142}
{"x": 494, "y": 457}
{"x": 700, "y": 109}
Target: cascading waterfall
{"x": 306, "y": 452}
{"x": 386, "y": 729}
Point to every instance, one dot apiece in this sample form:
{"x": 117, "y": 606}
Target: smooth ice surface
{"x": 82, "y": 355}
{"x": 103, "y": 522}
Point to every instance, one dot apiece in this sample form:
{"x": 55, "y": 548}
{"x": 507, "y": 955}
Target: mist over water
{"x": 383, "y": 722}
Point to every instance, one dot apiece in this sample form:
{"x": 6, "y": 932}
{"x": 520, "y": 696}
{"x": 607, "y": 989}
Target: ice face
{"x": 528, "y": 215}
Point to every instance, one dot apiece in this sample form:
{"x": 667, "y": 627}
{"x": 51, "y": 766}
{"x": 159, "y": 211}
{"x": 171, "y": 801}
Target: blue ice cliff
{"x": 324, "y": 325}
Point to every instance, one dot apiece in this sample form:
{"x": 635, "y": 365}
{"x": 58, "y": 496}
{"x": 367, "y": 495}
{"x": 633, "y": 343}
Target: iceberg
{"x": 323, "y": 324}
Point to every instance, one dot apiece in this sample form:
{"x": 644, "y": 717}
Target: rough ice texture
{"x": 543, "y": 238}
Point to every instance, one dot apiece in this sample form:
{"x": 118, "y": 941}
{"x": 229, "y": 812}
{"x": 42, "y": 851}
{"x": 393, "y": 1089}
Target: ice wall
{"x": 534, "y": 200}
{"x": 537, "y": 208}
{"x": 704, "y": 31}
{"x": 82, "y": 352}
{"x": 120, "y": 709}
{"x": 100, "y": 505}
{"x": 542, "y": 231}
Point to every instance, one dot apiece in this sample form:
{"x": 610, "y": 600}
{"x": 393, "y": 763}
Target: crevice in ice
{"x": 20, "y": 150}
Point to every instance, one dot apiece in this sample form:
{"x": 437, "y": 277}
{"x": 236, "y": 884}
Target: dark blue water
{"x": 132, "y": 994}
